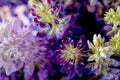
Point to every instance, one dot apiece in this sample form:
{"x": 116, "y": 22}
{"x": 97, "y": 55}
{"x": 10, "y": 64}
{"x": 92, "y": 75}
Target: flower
{"x": 67, "y": 2}
{"x": 17, "y": 47}
{"x": 113, "y": 17}
{"x": 71, "y": 57}
{"x": 101, "y": 55}
{"x": 111, "y": 3}
{"x": 48, "y": 14}
{"x": 115, "y": 42}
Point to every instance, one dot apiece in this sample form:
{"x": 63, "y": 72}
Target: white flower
{"x": 101, "y": 55}
{"x": 106, "y": 51}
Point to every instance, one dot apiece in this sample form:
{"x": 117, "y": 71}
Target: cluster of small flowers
{"x": 103, "y": 51}
{"x": 25, "y": 53}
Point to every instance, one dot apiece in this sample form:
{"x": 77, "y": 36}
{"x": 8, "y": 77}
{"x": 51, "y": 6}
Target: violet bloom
{"x": 71, "y": 57}
{"x": 49, "y": 15}
{"x": 17, "y": 47}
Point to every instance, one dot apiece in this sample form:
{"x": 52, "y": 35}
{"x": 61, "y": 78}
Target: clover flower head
{"x": 99, "y": 48}
{"x": 48, "y": 14}
{"x": 101, "y": 54}
{"x": 115, "y": 42}
{"x": 113, "y": 17}
{"x": 71, "y": 57}
{"x": 17, "y": 46}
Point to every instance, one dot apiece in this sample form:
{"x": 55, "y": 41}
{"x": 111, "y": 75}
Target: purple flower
{"x": 50, "y": 14}
{"x": 71, "y": 57}
{"x": 43, "y": 74}
{"x": 17, "y": 46}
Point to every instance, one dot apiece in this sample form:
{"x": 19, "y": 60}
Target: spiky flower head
{"x": 17, "y": 47}
{"x": 113, "y": 17}
{"x": 101, "y": 55}
{"x": 115, "y": 43}
{"x": 48, "y": 14}
{"x": 71, "y": 57}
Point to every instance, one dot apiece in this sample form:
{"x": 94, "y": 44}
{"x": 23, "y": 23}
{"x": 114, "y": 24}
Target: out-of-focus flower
{"x": 116, "y": 75}
{"x": 71, "y": 4}
{"x": 91, "y": 6}
{"x": 67, "y": 2}
{"x": 49, "y": 15}
{"x": 113, "y": 17}
{"x": 43, "y": 74}
{"x": 111, "y": 3}
{"x": 12, "y": 2}
{"x": 115, "y": 42}
{"x": 43, "y": 59}
{"x": 71, "y": 57}
{"x": 101, "y": 55}
{"x": 45, "y": 69}
{"x": 20, "y": 10}
{"x": 65, "y": 78}
{"x": 17, "y": 47}
{"x": 7, "y": 13}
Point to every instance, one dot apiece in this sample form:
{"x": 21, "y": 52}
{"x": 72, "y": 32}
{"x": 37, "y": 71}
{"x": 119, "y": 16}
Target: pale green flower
{"x": 115, "y": 42}
{"x": 101, "y": 54}
{"x": 113, "y": 17}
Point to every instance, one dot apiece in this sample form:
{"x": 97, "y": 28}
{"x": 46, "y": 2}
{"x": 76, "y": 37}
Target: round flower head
{"x": 101, "y": 56}
{"x": 71, "y": 57}
{"x": 113, "y": 17}
{"x": 48, "y": 14}
{"x": 115, "y": 42}
{"x": 17, "y": 46}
